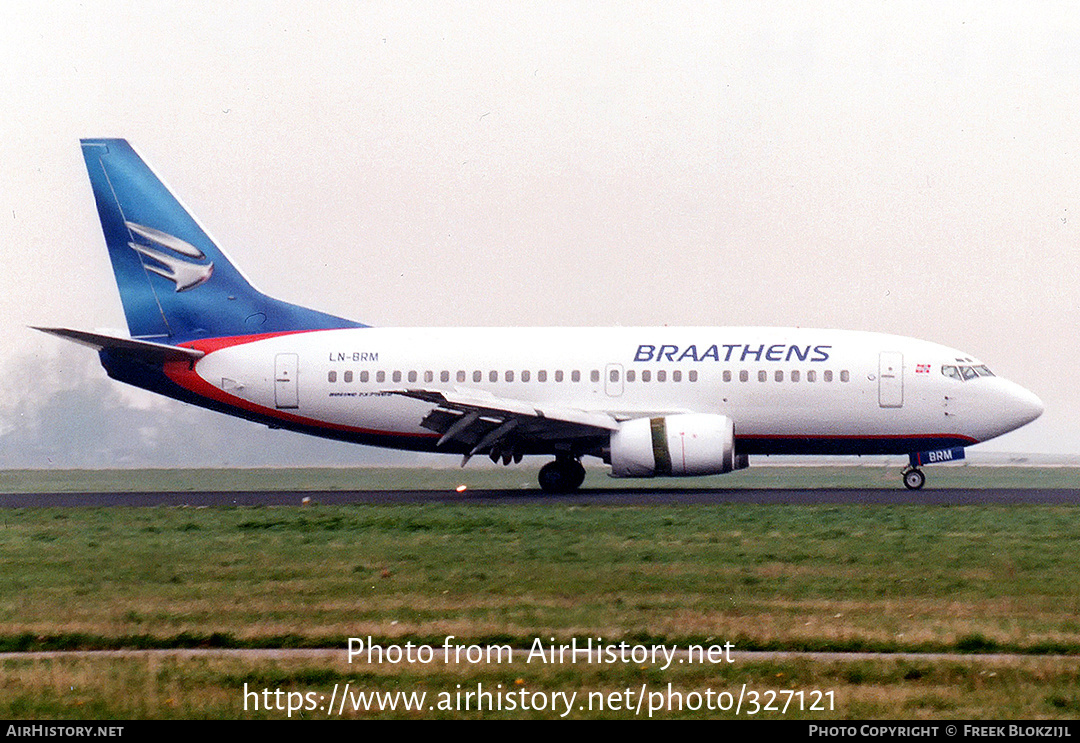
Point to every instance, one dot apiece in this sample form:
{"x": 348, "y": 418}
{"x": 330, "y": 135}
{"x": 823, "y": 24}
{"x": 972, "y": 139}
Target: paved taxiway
{"x": 606, "y": 497}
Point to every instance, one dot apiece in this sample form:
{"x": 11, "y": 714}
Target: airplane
{"x": 649, "y": 402}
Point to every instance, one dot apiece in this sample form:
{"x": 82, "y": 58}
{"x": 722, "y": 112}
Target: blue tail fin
{"x": 175, "y": 284}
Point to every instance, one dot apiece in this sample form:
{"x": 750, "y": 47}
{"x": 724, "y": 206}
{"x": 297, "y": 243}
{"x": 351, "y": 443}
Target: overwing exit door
{"x": 613, "y": 380}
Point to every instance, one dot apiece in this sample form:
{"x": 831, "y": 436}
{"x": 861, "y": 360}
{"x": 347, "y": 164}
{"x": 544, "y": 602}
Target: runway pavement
{"x": 604, "y": 497}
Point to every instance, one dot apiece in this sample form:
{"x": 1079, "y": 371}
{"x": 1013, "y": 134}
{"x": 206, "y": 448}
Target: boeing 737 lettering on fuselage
{"x": 647, "y": 401}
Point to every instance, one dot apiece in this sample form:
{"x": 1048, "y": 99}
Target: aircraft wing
{"x": 502, "y": 427}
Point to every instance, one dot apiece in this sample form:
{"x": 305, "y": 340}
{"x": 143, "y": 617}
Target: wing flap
{"x": 486, "y": 403}
{"x": 483, "y": 423}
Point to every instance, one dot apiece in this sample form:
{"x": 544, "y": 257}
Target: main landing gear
{"x": 564, "y": 475}
{"x": 914, "y": 478}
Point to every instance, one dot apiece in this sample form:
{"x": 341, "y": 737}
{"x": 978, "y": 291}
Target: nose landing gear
{"x": 914, "y": 478}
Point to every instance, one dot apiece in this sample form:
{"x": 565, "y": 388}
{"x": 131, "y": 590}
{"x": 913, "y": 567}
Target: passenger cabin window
{"x": 348, "y": 377}
{"x": 541, "y": 376}
{"x": 331, "y": 377}
{"x": 575, "y": 376}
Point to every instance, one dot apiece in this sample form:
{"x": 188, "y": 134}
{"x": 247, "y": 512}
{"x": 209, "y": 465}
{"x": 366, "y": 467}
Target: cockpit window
{"x": 964, "y": 373}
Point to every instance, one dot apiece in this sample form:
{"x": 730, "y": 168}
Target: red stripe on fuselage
{"x": 209, "y": 345}
{"x": 183, "y": 373}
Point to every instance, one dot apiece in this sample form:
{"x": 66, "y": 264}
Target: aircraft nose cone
{"x": 1035, "y": 406}
{"x": 1028, "y": 406}
{"x": 1007, "y": 407}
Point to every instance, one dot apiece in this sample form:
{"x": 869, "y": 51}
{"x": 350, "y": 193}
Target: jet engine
{"x": 675, "y": 446}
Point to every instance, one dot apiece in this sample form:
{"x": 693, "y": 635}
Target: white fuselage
{"x": 787, "y": 390}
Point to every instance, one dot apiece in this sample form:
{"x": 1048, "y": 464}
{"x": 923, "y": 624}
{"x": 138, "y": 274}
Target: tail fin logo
{"x": 184, "y": 274}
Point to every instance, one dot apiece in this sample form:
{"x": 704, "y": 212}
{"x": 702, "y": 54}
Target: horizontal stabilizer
{"x": 157, "y": 352}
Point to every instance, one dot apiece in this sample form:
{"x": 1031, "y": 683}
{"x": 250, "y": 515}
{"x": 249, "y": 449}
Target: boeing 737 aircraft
{"x": 647, "y": 401}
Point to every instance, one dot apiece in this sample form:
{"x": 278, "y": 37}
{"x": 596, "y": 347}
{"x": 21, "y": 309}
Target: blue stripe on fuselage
{"x": 848, "y": 445}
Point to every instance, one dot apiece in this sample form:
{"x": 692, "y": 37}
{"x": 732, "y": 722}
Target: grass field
{"x": 144, "y": 685}
{"x": 971, "y": 580}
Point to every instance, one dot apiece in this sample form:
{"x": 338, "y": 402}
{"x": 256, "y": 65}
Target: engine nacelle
{"x": 675, "y": 446}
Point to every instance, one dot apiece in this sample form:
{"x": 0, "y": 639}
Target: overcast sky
{"x": 911, "y": 168}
